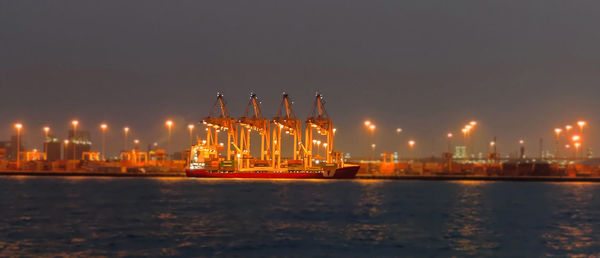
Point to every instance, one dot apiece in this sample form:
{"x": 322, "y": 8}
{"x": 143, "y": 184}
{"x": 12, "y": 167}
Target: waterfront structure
{"x": 206, "y": 161}
{"x": 79, "y": 142}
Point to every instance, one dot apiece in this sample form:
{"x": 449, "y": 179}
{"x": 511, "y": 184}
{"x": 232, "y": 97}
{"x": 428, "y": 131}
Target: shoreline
{"x": 483, "y": 178}
{"x": 360, "y": 177}
{"x": 89, "y": 174}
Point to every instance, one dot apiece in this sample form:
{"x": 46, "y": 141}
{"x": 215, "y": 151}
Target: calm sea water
{"x": 195, "y": 217}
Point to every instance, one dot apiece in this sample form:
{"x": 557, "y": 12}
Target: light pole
{"x": 46, "y": 131}
{"x": 577, "y": 143}
{"x": 136, "y": 144}
{"x": 103, "y": 127}
{"x": 522, "y": 149}
{"x": 169, "y": 124}
{"x": 191, "y": 129}
{"x": 125, "y": 133}
{"x": 371, "y": 127}
{"x": 411, "y": 144}
{"x": 18, "y": 126}
{"x": 468, "y": 139}
{"x": 449, "y": 137}
{"x": 581, "y": 124}
{"x": 398, "y": 132}
{"x": 472, "y": 125}
{"x": 75, "y": 123}
{"x": 372, "y": 151}
{"x": 65, "y": 153}
{"x": 557, "y": 131}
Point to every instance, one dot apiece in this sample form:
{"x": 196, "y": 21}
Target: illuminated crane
{"x": 288, "y": 123}
{"x": 320, "y": 121}
{"x": 219, "y": 120}
{"x": 257, "y": 123}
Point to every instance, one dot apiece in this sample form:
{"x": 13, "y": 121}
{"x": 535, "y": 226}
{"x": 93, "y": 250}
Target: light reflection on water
{"x": 572, "y": 233}
{"x": 196, "y": 217}
{"x": 467, "y": 228}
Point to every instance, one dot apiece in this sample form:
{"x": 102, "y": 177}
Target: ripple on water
{"x": 146, "y": 217}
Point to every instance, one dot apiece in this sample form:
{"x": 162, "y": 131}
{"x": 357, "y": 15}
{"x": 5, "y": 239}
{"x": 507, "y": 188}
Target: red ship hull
{"x": 340, "y": 173}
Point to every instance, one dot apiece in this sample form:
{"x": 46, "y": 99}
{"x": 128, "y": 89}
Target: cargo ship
{"x": 226, "y": 152}
{"x": 348, "y": 172}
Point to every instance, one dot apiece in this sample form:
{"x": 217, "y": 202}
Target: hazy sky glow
{"x": 520, "y": 68}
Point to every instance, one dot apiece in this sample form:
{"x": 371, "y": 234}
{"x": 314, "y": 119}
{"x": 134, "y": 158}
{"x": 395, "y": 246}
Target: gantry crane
{"x": 318, "y": 120}
{"x": 257, "y": 123}
{"x": 219, "y": 120}
{"x": 288, "y": 123}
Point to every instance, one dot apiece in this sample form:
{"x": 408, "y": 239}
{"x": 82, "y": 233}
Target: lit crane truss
{"x": 256, "y": 123}
{"x": 288, "y": 123}
{"x": 219, "y": 120}
{"x": 319, "y": 121}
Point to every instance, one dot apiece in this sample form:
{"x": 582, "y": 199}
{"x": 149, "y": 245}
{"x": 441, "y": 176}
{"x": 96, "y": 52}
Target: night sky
{"x": 520, "y": 68}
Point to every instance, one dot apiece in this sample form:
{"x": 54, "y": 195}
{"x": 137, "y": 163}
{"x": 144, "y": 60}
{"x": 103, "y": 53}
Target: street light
{"x": 46, "y": 131}
{"x": 411, "y": 144}
{"x": 75, "y": 123}
{"x": 18, "y": 126}
{"x": 373, "y": 151}
{"x": 66, "y": 142}
{"x": 557, "y": 131}
{"x": 169, "y": 124}
{"x": 577, "y": 145}
{"x": 449, "y": 137}
{"x": 568, "y": 128}
{"x": 125, "y": 134}
{"x": 136, "y": 145}
{"x": 103, "y": 127}
{"x": 581, "y": 124}
{"x": 191, "y": 129}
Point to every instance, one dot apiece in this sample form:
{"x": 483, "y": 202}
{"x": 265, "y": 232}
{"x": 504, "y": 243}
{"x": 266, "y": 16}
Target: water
{"x": 196, "y": 217}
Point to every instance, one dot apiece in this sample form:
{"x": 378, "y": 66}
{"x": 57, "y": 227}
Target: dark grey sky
{"x": 520, "y": 68}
